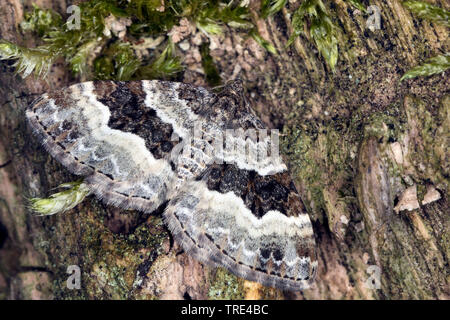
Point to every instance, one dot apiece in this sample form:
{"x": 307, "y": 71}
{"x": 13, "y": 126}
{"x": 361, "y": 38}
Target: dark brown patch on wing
{"x": 228, "y": 108}
{"x": 197, "y": 98}
{"x": 104, "y": 88}
{"x": 232, "y": 109}
{"x": 62, "y": 98}
{"x": 126, "y": 102}
{"x": 259, "y": 193}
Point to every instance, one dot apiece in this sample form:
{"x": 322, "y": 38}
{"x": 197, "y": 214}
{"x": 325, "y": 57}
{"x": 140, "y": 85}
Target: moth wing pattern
{"x": 243, "y": 215}
{"x": 91, "y": 129}
{"x": 253, "y": 225}
{"x": 125, "y": 138}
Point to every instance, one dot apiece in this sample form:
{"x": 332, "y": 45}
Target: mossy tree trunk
{"x": 358, "y": 142}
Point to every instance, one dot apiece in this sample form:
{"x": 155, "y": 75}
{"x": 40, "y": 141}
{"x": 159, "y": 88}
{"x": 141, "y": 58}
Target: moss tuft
{"x": 432, "y": 66}
{"x": 321, "y": 29}
{"x": 428, "y": 11}
{"x": 101, "y": 47}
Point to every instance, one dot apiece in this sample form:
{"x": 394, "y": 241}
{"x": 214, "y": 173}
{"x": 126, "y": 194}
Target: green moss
{"x": 357, "y": 4}
{"x": 321, "y": 29}
{"x": 62, "y": 201}
{"x": 225, "y": 286}
{"x": 166, "y": 65}
{"x": 117, "y": 258}
{"x": 112, "y": 54}
{"x": 428, "y": 11}
{"x": 28, "y": 61}
{"x": 320, "y": 158}
{"x": 444, "y": 242}
{"x": 429, "y": 154}
{"x": 270, "y": 7}
{"x": 212, "y": 74}
{"x": 398, "y": 258}
{"x": 435, "y": 65}
{"x": 386, "y": 124}
{"x": 421, "y": 191}
{"x": 262, "y": 42}
{"x": 41, "y": 21}
{"x": 93, "y": 41}
{"x": 109, "y": 262}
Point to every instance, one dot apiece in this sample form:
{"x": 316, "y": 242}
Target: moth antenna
{"x": 22, "y": 96}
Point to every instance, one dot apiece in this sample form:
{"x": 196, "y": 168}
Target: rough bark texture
{"x": 355, "y": 140}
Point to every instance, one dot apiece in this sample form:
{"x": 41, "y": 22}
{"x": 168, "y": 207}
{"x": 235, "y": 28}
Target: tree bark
{"x": 358, "y": 143}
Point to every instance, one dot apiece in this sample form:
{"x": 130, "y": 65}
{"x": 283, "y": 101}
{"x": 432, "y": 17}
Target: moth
{"x": 129, "y": 140}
